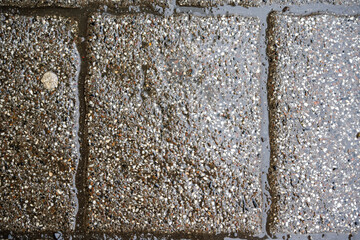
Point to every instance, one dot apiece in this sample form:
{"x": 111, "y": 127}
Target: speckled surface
{"x": 80, "y": 3}
{"x": 314, "y": 98}
{"x": 210, "y": 3}
{"x": 166, "y": 3}
{"x": 302, "y": 2}
{"x": 38, "y": 127}
{"x": 257, "y": 3}
{"x": 174, "y": 124}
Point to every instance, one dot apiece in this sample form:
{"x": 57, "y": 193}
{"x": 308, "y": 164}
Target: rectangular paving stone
{"x": 256, "y": 3}
{"x": 301, "y": 2}
{"x": 211, "y": 3}
{"x": 80, "y": 3}
{"x": 174, "y": 124}
{"x": 39, "y": 149}
{"x": 314, "y": 123}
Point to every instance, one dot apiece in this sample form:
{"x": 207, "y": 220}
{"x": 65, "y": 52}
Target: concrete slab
{"x": 174, "y": 124}
{"x": 81, "y": 3}
{"x": 302, "y": 2}
{"x": 211, "y": 3}
{"x": 257, "y": 3}
{"x": 314, "y": 121}
{"x": 38, "y": 123}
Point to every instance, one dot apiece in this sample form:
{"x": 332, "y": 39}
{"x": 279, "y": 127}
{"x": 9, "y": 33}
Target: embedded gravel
{"x": 81, "y": 3}
{"x": 211, "y": 3}
{"x": 166, "y": 3}
{"x": 301, "y": 2}
{"x": 174, "y": 124}
{"x": 38, "y": 123}
{"x": 257, "y": 3}
{"x": 314, "y": 106}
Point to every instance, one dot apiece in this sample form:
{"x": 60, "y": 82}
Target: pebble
{"x": 50, "y": 80}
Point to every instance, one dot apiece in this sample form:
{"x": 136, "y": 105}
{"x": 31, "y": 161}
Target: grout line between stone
{"x": 81, "y": 175}
{"x": 264, "y": 124}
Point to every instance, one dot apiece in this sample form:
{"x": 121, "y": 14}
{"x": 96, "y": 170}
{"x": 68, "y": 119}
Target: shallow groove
{"x": 81, "y": 175}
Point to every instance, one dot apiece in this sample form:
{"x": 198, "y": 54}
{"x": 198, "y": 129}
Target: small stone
{"x": 50, "y": 80}
{"x": 50, "y": 174}
{"x": 58, "y": 235}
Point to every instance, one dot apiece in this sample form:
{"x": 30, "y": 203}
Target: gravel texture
{"x": 314, "y": 106}
{"x": 211, "y": 3}
{"x": 80, "y": 3}
{"x": 256, "y": 3}
{"x": 174, "y": 124}
{"x": 301, "y": 2}
{"x": 166, "y": 3}
{"x": 38, "y": 127}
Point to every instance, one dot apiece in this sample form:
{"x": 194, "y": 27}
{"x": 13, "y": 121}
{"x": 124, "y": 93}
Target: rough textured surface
{"x": 314, "y": 107}
{"x": 301, "y": 2}
{"x": 38, "y": 127}
{"x": 174, "y": 124}
{"x": 165, "y": 3}
{"x": 79, "y": 3}
{"x": 42, "y": 3}
{"x": 210, "y": 3}
{"x": 256, "y": 3}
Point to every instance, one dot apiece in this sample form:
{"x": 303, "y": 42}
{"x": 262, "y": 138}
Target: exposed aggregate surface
{"x": 314, "y": 98}
{"x": 210, "y": 3}
{"x": 166, "y": 3}
{"x": 257, "y": 3}
{"x": 174, "y": 124}
{"x": 302, "y": 2}
{"x": 81, "y": 3}
{"x": 38, "y": 127}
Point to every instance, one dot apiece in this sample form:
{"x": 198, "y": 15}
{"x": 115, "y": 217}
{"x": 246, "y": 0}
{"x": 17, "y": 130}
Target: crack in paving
{"x": 81, "y": 15}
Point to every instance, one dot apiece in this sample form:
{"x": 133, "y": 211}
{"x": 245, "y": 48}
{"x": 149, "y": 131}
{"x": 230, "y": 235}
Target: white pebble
{"x": 50, "y": 80}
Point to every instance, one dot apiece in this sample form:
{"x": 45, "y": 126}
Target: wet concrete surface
{"x": 302, "y": 2}
{"x": 81, "y": 3}
{"x": 257, "y": 3}
{"x": 314, "y": 99}
{"x": 84, "y": 218}
{"x": 166, "y": 3}
{"x": 206, "y": 3}
{"x": 174, "y": 124}
{"x": 38, "y": 123}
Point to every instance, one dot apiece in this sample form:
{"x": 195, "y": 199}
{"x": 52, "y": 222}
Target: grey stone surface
{"x": 174, "y": 124}
{"x": 256, "y": 3}
{"x": 38, "y": 127}
{"x": 166, "y": 3}
{"x": 301, "y": 2}
{"x": 80, "y": 3}
{"x": 314, "y": 99}
{"x": 42, "y": 3}
{"x": 210, "y": 3}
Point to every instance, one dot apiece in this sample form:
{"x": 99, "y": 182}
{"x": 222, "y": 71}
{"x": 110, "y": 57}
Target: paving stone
{"x": 80, "y": 3}
{"x": 38, "y": 123}
{"x": 314, "y": 110}
{"x": 256, "y": 3}
{"x": 174, "y": 124}
{"x": 211, "y": 3}
{"x": 301, "y": 2}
